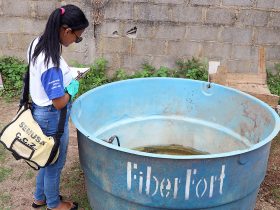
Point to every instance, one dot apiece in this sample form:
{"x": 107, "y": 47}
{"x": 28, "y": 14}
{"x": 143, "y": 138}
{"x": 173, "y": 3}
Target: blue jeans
{"x": 48, "y": 178}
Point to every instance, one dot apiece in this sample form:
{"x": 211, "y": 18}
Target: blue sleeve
{"x": 52, "y": 81}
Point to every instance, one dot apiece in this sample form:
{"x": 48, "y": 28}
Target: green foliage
{"x": 12, "y": 71}
{"x": 150, "y": 71}
{"x": 273, "y": 80}
{"x": 146, "y": 71}
{"x": 163, "y": 72}
{"x": 95, "y": 77}
{"x": 120, "y": 74}
{"x": 192, "y": 69}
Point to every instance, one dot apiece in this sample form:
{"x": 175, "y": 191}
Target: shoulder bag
{"x": 24, "y": 137}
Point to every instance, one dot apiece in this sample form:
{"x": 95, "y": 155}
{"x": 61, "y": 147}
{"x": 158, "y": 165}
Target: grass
{"x": 4, "y": 173}
{"x": 29, "y": 174}
{"x": 3, "y": 153}
{"x": 2, "y": 148}
{"x": 274, "y": 151}
{"x": 73, "y": 181}
{"x": 276, "y": 194}
{"x": 1, "y": 126}
{"x": 4, "y": 199}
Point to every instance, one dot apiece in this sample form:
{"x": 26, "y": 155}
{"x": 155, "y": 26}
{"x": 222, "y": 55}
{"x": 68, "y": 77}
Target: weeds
{"x": 29, "y": 174}
{"x": 191, "y": 69}
{"x": 4, "y": 173}
{"x": 273, "y": 80}
{"x": 276, "y": 193}
{"x": 12, "y": 70}
{"x": 74, "y": 179}
{"x": 2, "y": 153}
{"x": 4, "y": 199}
{"x": 95, "y": 77}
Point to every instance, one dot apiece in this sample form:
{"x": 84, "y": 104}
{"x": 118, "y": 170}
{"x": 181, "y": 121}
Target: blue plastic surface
{"x": 235, "y": 128}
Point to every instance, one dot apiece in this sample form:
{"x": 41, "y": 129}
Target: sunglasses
{"x": 78, "y": 38}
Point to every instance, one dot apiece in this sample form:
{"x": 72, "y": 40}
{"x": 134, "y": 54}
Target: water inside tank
{"x": 191, "y": 134}
{"x": 172, "y": 149}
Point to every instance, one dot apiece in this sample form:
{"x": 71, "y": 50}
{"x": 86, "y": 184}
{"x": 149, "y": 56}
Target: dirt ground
{"x": 17, "y": 180}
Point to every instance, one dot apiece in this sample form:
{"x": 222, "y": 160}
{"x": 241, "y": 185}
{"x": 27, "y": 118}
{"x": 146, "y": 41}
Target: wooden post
{"x": 261, "y": 63}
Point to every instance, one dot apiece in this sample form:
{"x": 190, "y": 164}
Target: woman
{"x": 51, "y": 89}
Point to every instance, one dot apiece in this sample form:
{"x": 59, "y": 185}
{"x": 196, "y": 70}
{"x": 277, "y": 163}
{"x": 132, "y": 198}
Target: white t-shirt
{"x": 47, "y": 82}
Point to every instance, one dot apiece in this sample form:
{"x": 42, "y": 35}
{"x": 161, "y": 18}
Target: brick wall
{"x": 230, "y": 31}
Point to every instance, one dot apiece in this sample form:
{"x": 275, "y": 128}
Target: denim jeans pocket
{"x": 47, "y": 119}
{"x": 42, "y": 121}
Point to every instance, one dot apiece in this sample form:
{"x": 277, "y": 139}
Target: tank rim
{"x": 265, "y": 141}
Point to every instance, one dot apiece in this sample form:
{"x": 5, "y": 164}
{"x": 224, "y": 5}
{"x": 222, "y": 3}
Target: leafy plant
{"x": 95, "y": 77}
{"x": 163, "y": 72}
{"x": 192, "y": 69}
{"x": 120, "y": 74}
{"x": 273, "y": 80}
{"x": 12, "y": 70}
{"x": 146, "y": 71}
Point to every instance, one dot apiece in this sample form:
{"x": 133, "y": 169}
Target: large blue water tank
{"x": 236, "y": 130}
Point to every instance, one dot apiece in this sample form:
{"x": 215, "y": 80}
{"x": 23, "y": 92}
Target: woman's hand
{"x": 73, "y": 88}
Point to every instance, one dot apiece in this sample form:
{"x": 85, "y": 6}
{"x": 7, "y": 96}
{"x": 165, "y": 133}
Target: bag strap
{"x": 59, "y": 133}
{"x": 24, "y": 99}
{"x": 61, "y": 123}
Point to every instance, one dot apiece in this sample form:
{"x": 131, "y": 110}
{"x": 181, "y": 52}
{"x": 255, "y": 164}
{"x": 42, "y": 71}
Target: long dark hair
{"x": 49, "y": 42}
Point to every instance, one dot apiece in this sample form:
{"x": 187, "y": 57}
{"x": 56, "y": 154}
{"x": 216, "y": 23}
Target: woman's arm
{"x": 61, "y": 102}
{"x": 71, "y": 90}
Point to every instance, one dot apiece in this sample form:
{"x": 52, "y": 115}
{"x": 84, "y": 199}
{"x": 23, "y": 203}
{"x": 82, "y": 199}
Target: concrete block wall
{"x": 230, "y": 31}
{"x": 18, "y": 25}
{"x": 23, "y": 20}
